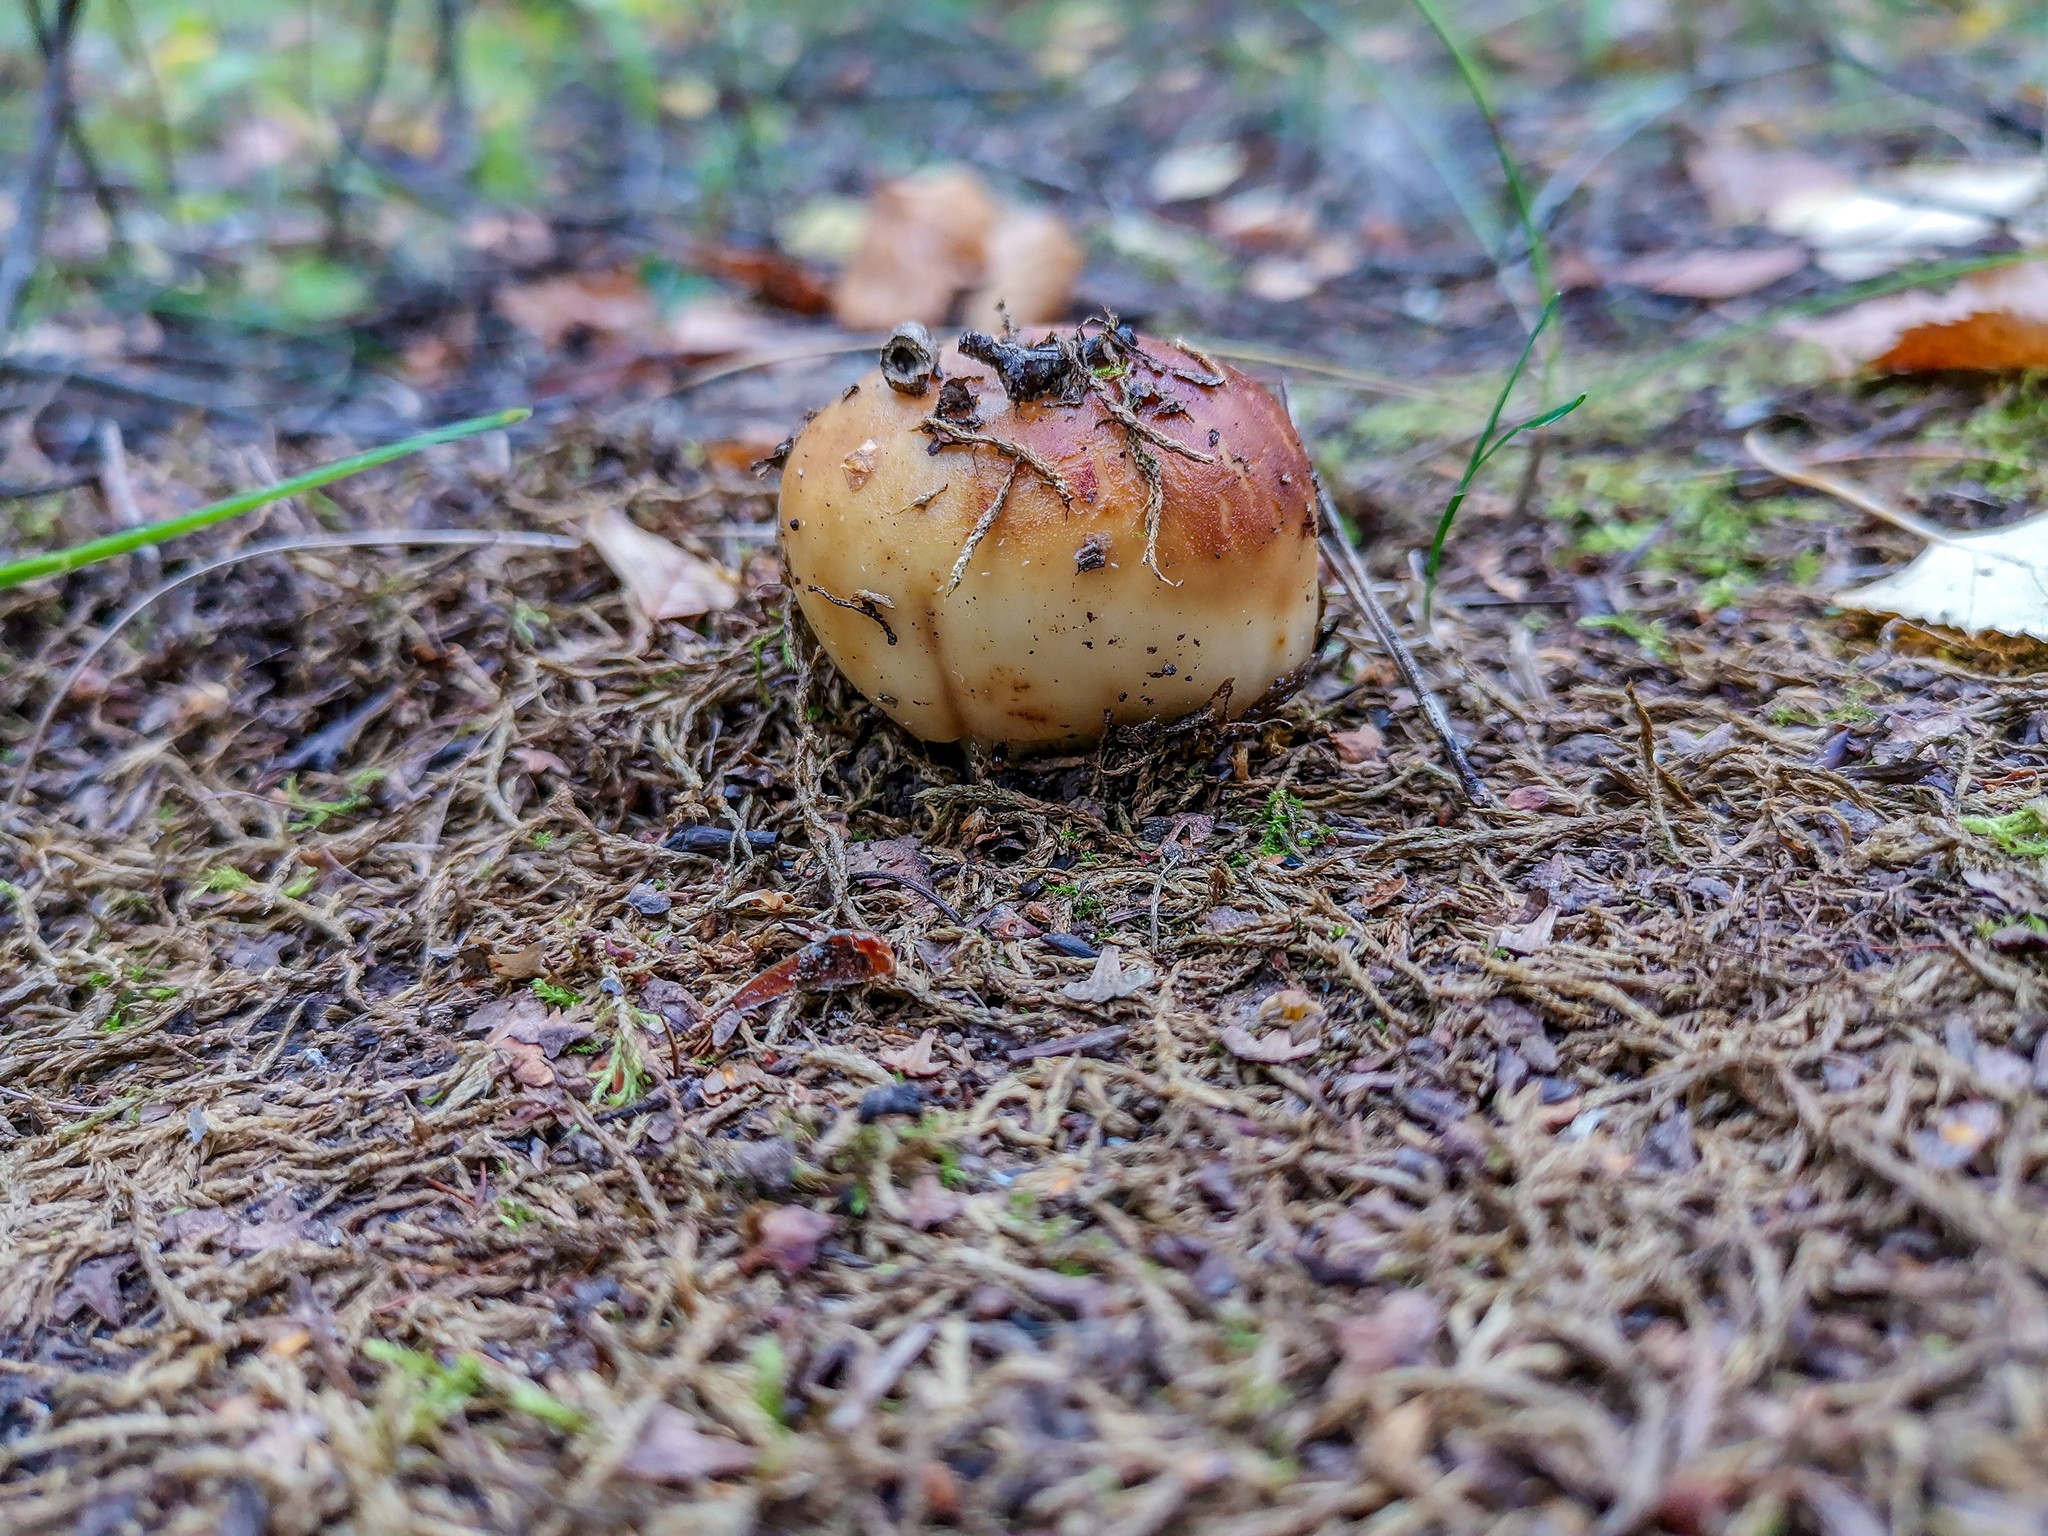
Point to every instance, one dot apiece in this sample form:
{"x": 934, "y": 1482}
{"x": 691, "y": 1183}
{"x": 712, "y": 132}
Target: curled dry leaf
{"x": 847, "y": 957}
{"x": 1993, "y": 581}
{"x": 1711, "y": 274}
{"x": 1269, "y": 1050}
{"x": 786, "y": 1239}
{"x": 926, "y": 240}
{"x": 1034, "y": 261}
{"x": 932, "y": 237}
{"x": 1990, "y": 322}
{"x": 915, "y": 1059}
{"x": 672, "y": 1449}
{"x": 1110, "y": 980}
{"x": 664, "y": 581}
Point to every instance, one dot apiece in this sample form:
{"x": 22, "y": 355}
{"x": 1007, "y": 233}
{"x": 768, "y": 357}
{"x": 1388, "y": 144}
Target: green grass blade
{"x": 1482, "y": 450}
{"x": 58, "y": 561}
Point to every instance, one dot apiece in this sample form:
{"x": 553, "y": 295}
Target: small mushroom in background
{"x": 1023, "y": 543}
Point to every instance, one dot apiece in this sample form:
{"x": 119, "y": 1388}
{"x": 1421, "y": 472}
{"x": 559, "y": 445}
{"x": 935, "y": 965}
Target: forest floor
{"x": 1660, "y": 1148}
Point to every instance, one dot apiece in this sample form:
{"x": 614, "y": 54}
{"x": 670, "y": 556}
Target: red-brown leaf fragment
{"x": 847, "y": 957}
{"x": 672, "y": 1449}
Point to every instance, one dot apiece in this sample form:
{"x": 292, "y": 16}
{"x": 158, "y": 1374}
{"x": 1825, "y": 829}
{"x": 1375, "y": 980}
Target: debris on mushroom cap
{"x": 1086, "y": 529}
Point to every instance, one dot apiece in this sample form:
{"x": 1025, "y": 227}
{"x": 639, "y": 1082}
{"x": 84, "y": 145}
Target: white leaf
{"x": 664, "y": 581}
{"x": 1109, "y": 980}
{"x": 1995, "y": 581}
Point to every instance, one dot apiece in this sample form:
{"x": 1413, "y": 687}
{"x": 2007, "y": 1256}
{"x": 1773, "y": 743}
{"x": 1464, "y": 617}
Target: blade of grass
{"x": 1489, "y": 442}
{"x": 58, "y": 561}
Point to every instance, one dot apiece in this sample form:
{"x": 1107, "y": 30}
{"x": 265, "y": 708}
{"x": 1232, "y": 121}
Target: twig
{"x": 1357, "y": 581}
{"x": 1766, "y": 453}
{"x": 32, "y": 202}
{"x": 429, "y": 536}
{"x": 982, "y": 524}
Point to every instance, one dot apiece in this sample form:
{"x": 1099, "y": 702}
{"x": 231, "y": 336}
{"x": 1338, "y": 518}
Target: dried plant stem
{"x": 982, "y": 524}
{"x": 1357, "y": 581}
{"x": 948, "y": 433}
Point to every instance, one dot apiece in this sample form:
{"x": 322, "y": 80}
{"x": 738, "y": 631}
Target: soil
{"x": 1243, "y": 1134}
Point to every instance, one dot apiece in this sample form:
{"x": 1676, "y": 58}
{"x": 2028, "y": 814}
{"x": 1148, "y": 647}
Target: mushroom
{"x": 1026, "y": 543}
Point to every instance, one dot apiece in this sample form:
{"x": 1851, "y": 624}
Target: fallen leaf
{"x": 1528, "y": 797}
{"x": 771, "y": 275}
{"x": 847, "y": 957}
{"x": 1109, "y": 980}
{"x": 1993, "y": 581}
{"x": 915, "y": 1059}
{"x": 1264, "y": 220}
{"x": 1711, "y": 274}
{"x": 96, "y": 1284}
{"x": 1192, "y": 173}
{"x": 1290, "y": 1006}
{"x": 1530, "y": 938}
{"x": 1033, "y": 263}
{"x": 614, "y": 303}
{"x": 786, "y": 1239}
{"x": 925, "y": 241}
{"x": 672, "y": 1449}
{"x": 519, "y": 964}
{"x": 1363, "y": 745}
{"x": 1271, "y": 1050}
{"x": 535, "y": 760}
{"x": 930, "y": 1204}
{"x": 1958, "y": 1134}
{"x": 1394, "y": 1334}
{"x": 1742, "y": 183}
{"x": 664, "y": 580}
{"x": 1989, "y": 322}
{"x": 1858, "y": 232}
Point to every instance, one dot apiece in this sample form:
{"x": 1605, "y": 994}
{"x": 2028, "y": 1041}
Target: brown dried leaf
{"x": 1363, "y": 745}
{"x": 786, "y": 1239}
{"x": 1033, "y": 264}
{"x": 1530, "y": 938}
{"x": 664, "y": 580}
{"x": 1990, "y": 322}
{"x": 609, "y": 303}
{"x": 1393, "y": 1334}
{"x": 1272, "y": 1050}
{"x": 926, "y": 240}
{"x": 1711, "y": 274}
{"x": 846, "y": 957}
{"x": 519, "y": 964}
{"x": 96, "y": 1284}
{"x": 931, "y": 1204}
{"x": 672, "y": 1449}
{"x": 915, "y": 1059}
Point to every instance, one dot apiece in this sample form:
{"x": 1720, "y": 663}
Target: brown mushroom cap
{"x": 1057, "y": 625}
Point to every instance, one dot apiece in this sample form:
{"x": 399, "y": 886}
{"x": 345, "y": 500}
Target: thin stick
{"x": 39, "y": 174}
{"x": 1785, "y": 467}
{"x": 429, "y": 536}
{"x": 1357, "y": 581}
